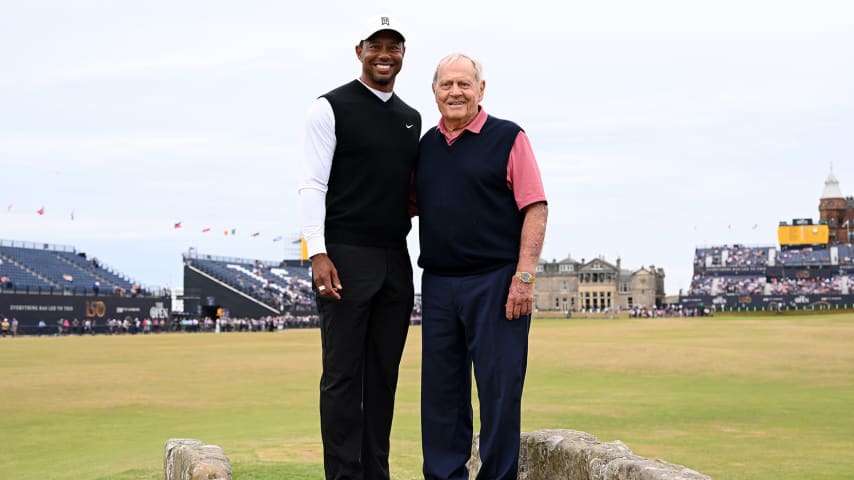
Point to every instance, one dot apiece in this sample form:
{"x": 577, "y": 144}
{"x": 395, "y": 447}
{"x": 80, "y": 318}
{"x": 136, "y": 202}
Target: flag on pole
{"x": 72, "y": 214}
{"x": 40, "y": 211}
{"x": 277, "y": 238}
{"x": 256, "y": 234}
{"x": 206, "y": 229}
{"x": 178, "y": 225}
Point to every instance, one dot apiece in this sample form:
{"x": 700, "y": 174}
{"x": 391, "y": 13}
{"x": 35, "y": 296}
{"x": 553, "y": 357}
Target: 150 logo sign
{"x": 802, "y": 274}
{"x": 96, "y": 309}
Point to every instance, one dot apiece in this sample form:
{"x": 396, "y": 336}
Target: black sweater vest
{"x": 375, "y": 153}
{"x": 468, "y": 218}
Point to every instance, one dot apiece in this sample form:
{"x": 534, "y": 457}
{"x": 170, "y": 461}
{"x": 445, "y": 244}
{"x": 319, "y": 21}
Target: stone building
{"x": 570, "y": 285}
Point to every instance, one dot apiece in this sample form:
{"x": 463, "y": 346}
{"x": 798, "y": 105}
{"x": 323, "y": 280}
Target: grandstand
{"x": 216, "y": 286}
{"x": 28, "y": 267}
{"x": 48, "y": 284}
{"x": 737, "y": 276}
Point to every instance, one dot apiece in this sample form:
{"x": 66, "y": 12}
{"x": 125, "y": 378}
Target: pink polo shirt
{"x": 523, "y": 174}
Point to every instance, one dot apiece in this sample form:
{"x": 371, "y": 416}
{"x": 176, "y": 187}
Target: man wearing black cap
{"x": 361, "y": 145}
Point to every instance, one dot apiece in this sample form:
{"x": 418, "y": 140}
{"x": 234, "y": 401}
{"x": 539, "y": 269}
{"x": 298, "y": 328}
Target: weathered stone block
{"x": 191, "y": 459}
{"x": 575, "y": 455}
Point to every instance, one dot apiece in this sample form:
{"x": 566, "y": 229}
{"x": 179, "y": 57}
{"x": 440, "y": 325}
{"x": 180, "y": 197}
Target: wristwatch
{"x": 525, "y": 277}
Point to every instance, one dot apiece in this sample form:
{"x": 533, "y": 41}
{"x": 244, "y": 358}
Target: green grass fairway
{"x": 735, "y": 397}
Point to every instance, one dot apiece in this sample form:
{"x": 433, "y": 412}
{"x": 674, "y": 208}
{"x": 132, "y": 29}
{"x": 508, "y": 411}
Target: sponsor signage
{"x": 30, "y": 309}
{"x": 796, "y": 272}
{"x": 740, "y": 270}
{"x": 759, "y": 301}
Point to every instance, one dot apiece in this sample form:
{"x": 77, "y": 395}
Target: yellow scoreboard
{"x": 794, "y": 235}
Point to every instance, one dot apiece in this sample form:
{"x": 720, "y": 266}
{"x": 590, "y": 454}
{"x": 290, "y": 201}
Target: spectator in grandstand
{"x": 701, "y": 285}
{"x": 360, "y": 149}
{"x": 483, "y": 216}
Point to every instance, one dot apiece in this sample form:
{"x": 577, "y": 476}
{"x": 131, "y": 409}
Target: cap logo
{"x": 384, "y": 21}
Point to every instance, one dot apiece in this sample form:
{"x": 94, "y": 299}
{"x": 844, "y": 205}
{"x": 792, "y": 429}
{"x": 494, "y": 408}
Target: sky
{"x": 658, "y": 126}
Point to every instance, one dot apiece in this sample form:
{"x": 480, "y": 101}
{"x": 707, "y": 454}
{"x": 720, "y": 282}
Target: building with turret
{"x": 837, "y": 212}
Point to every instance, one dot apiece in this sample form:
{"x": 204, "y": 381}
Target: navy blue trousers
{"x": 464, "y": 326}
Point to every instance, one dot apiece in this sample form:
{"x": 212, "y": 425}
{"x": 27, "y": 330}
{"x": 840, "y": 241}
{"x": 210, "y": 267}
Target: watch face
{"x": 525, "y": 277}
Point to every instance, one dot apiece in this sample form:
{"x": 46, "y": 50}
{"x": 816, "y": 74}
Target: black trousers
{"x": 362, "y": 335}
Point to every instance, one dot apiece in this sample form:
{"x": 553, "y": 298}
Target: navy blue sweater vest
{"x": 468, "y": 219}
{"x": 375, "y": 154}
